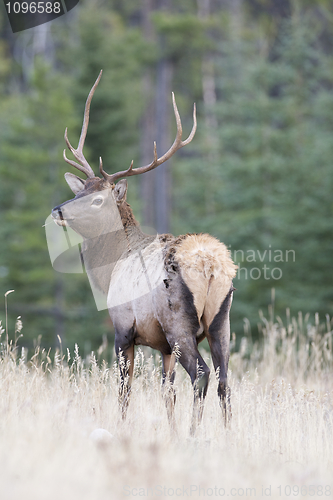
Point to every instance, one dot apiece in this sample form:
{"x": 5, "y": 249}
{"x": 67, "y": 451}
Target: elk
{"x": 165, "y": 292}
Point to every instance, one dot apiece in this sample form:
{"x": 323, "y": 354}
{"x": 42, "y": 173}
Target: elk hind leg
{"x": 192, "y": 361}
{"x": 218, "y": 336}
{"x": 126, "y": 364}
{"x": 168, "y": 378}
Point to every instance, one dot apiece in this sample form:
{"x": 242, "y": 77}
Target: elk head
{"x": 100, "y": 195}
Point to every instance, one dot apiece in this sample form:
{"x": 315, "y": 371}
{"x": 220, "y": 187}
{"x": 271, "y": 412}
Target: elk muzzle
{"x": 58, "y": 217}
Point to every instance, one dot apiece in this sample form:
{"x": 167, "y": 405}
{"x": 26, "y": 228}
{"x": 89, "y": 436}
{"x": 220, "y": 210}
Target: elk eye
{"x": 98, "y": 201}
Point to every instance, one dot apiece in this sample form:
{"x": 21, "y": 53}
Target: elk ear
{"x": 120, "y": 190}
{"x": 75, "y": 183}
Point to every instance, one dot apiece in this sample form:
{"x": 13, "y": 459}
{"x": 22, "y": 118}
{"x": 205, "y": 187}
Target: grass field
{"x": 279, "y": 443}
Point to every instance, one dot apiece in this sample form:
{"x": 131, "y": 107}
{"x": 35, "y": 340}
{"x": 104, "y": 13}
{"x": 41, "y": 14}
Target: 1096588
{"x": 33, "y": 7}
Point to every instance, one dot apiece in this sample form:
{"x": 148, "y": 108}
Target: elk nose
{"x": 56, "y": 213}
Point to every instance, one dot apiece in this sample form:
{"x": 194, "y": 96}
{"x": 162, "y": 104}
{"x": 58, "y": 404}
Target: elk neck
{"x": 126, "y": 214}
{"x": 101, "y": 254}
{"x": 135, "y": 237}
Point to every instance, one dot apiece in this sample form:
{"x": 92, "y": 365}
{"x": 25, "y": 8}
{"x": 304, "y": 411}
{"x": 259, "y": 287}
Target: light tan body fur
{"x": 207, "y": 269}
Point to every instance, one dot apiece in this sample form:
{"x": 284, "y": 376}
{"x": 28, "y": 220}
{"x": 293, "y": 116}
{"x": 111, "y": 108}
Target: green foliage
{"x": 107, "y": 43}
{"x": 269, "y": 187}
{"x": 258, "y": 174}
{"x": 31, "y": 169}
{"x": 184, "y": 34}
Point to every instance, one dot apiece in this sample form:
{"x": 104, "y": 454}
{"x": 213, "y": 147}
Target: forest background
{"x": 258, "y": 174}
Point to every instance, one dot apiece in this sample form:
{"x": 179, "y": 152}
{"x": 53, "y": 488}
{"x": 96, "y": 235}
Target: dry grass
{"x": 281, "y": 431}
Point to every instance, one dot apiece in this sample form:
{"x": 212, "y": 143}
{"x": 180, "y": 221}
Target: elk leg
{"x": 200, "y": 386}
{"x": 168, "y": 377}
{"x": 126, "y": 364}
{"x": 198, "y": 371}
{"x": 218, "y": 336}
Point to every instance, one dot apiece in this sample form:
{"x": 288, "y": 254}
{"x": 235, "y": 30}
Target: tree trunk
{"x": 156, "y": 185}
{"x": 163, "y": 113}
{"x": 163, "y": 140}
{"x": 209, "y": 99}
{"x": 148, "y": 126}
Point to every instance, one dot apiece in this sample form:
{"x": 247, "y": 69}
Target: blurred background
{"x": 258, "y": 174}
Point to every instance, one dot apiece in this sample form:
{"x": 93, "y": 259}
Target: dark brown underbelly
{"x": 152, "y": 337}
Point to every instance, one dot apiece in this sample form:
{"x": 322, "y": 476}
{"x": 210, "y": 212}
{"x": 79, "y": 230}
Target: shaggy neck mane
{"x": 135, "y": 238}
{"x": 127, "y": 216}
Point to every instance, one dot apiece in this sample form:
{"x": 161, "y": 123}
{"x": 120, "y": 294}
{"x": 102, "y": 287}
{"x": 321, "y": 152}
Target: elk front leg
{"x": 218, "y": 335}
{"x": 126, "y": 364}
{"x": 168, "y": 377}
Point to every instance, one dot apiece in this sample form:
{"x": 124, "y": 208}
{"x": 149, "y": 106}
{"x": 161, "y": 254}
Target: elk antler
{"x": 84, "y": 165}
{"x": 178, "y": 143}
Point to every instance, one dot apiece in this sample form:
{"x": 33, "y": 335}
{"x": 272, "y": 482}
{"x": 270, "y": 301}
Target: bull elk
{"x": 165, "y": 292}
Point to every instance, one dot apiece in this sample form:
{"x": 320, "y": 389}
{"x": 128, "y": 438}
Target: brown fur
{"x": 126, "y": 214}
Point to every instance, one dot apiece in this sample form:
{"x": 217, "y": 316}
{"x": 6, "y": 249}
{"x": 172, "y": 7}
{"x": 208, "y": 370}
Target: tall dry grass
{"x": 61, "y": 436}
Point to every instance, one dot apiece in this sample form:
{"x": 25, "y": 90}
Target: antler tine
{"x": 78, "y": 153}
{"x": 177, "y": 144}
{"x": 76, "y": 165}
{"x": 194, "y": 127}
